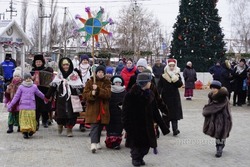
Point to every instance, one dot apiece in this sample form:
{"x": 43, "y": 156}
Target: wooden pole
{"x": 93, "y": 56}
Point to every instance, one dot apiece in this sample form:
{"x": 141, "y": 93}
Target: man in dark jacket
{"x": 215, "y": 71}
{"x": 158, "y": 70}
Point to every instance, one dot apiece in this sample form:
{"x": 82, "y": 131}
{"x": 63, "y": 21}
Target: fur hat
{"x": 100, "y": 68}
{"x": 142, "y": 62}
{"x": 26, "y": 76}
{"x": 109, "y": 70}
{"x": 215, "y": 84}
{"x": 84, "y": 57}
{"x": 38, "y": 57}
{"x": 143, "y": 78}
{"x": 18, "y": 72}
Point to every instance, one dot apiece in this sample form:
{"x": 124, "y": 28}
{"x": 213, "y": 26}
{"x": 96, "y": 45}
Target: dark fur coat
{"x": 218, "y": 120}
{"x": 138, "y": 118}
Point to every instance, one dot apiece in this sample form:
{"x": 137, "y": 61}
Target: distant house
{"x": 13, "y": 40}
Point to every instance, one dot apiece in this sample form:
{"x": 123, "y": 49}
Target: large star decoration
{"x": 93, "y": 26}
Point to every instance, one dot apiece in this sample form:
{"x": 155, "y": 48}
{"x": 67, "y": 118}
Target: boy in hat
{"x": 137, "y": 118}
{"x": 97, "y": 93}
{"x": 217, "y": 113}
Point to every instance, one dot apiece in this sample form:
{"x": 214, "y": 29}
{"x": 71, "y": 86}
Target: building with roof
{"x": 13, "y": 40}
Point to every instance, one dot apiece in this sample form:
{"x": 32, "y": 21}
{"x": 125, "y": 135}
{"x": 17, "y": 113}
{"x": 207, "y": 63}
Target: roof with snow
{"x": 10, "y": 31}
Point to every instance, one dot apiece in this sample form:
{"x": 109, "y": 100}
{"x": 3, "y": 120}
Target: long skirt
{"x": 188, "y": 92}
{"x": 27, "y": 120}
{"x": 13, "y": 118}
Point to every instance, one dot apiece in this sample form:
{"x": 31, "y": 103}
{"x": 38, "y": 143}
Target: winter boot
{"x": 220, "y": 144}
{"x": 136, "y": 162}
{"x": 45, "y": 125}
{"x": 69, "y": 132}
{"x": 60, "y": 129}
{"x": 82, "y": 128}
{"x": 18, "y": 129}
{"x": 93, "y": 147}
{"x": 25, "y": 135}
{"x": 98, "y": 146}
{"x": 10, "y": 130}
{"x": 175, "y": 127}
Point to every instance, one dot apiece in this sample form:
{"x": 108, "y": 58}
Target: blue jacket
{"x": 216, "y": 72}
{"x": 8, "y": 69}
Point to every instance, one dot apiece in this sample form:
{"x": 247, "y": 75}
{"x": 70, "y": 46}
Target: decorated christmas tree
{"x": 197, "y": 35}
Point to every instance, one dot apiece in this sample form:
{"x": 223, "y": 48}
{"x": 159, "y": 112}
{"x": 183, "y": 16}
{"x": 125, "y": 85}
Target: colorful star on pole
{"x": 93, "y": 26}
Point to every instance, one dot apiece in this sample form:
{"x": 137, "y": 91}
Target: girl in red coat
{"x": 128, "y": 71}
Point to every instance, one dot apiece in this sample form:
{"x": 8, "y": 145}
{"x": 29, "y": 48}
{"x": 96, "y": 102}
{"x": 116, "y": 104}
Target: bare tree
{"x": 137, "y": 30}
{"x": 24, "y": 14}
{"x": 241, "y": 24}
{"x": 53, "y": 39}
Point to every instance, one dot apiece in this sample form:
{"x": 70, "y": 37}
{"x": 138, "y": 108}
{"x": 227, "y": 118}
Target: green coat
{"x": 103, "y": 94}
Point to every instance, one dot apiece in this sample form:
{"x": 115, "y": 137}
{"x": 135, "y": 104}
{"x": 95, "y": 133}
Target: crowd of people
{"x": 132, "y": 98}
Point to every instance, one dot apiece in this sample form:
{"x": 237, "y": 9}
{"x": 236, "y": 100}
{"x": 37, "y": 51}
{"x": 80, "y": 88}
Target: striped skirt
{"x": 27, "y": 120}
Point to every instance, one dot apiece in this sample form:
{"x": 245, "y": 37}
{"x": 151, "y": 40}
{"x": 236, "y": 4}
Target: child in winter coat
{"x": 218, "y": 120}
{"x": 115, "y": 127}
{"x": 138, "y": 120}
{"x": 13, "y": 118}
{"x": 97, "y": 93}
{"x": 26, "y": 96}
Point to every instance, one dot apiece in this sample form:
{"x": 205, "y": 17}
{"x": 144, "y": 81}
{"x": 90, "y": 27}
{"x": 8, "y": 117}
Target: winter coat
{"x": 226, "y": 77}
{"x": 97, "y": 110}
{"x": 190, "y": 77}
{"x": 218, "y": 120}
{"x": 58, "y": 88}
{"x": 158, "y": 70}
{"x": 10, "y": 93}
{"x": 8, "y": 69}
{"x": 238, "y": 79}
{"x": 126, "y": 74}
{"x": 216, "y": 72}
{"x": 138, "y": 119}
{"x": 169, "y": 90}
{"x": 26, "y": 97}
{"x": 115, "y": 126}
{"x": 132, "y": 80}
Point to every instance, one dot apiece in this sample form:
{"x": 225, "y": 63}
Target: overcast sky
{"x": 165, "y": 10}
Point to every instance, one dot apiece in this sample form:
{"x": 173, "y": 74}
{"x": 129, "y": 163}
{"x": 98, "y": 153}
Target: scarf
{"x": 117, "y": 89}
{"x": 130, "y": 69}
{"x": 84, "y": 68}
{"x": 73, "y": 80}
{"x": 240, "y": 69}
{"x": 27, "y": 84}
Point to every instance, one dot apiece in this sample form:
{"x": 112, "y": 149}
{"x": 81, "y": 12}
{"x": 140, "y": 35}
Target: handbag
{"x": 76, "y": 103}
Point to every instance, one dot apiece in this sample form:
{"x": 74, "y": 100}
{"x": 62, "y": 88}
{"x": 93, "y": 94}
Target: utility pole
{"x": 2, "y": 14}
{"x": 64, "y": 32}
{"x": 12, "y": 10}
{"x": 41, "y": 17}
{"x": 133, "y": 28}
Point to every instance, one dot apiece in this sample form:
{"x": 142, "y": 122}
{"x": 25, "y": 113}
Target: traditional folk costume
{"x": 66, "y": 86}
{"x": 25, "y": 96}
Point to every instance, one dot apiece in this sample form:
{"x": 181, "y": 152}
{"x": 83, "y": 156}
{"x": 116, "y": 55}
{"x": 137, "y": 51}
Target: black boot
{"x": 25, "y": 135}
{"x": 175, "y": 127}
{"x": 18, "y": 129}
{"x": 220, "y": 144}
{"x": 10, "y": 130}
{"x": 136, "y": 162}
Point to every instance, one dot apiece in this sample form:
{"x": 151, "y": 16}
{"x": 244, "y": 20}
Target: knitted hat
{"x": 100, "y": 68}
{"x": 18, "y": 72}
{"x": 26, "y": 76}
{"x": 142, "y": 62}
{"x": 84, "y": 57}
{"x": 117, "y": 79}
{"x": 143, "y": 79}
{"x": 215, "y": 84}
{"x": 109, "y": 70}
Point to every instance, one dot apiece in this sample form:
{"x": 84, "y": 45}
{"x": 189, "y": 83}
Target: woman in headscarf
{"x": 67, "y": 85}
